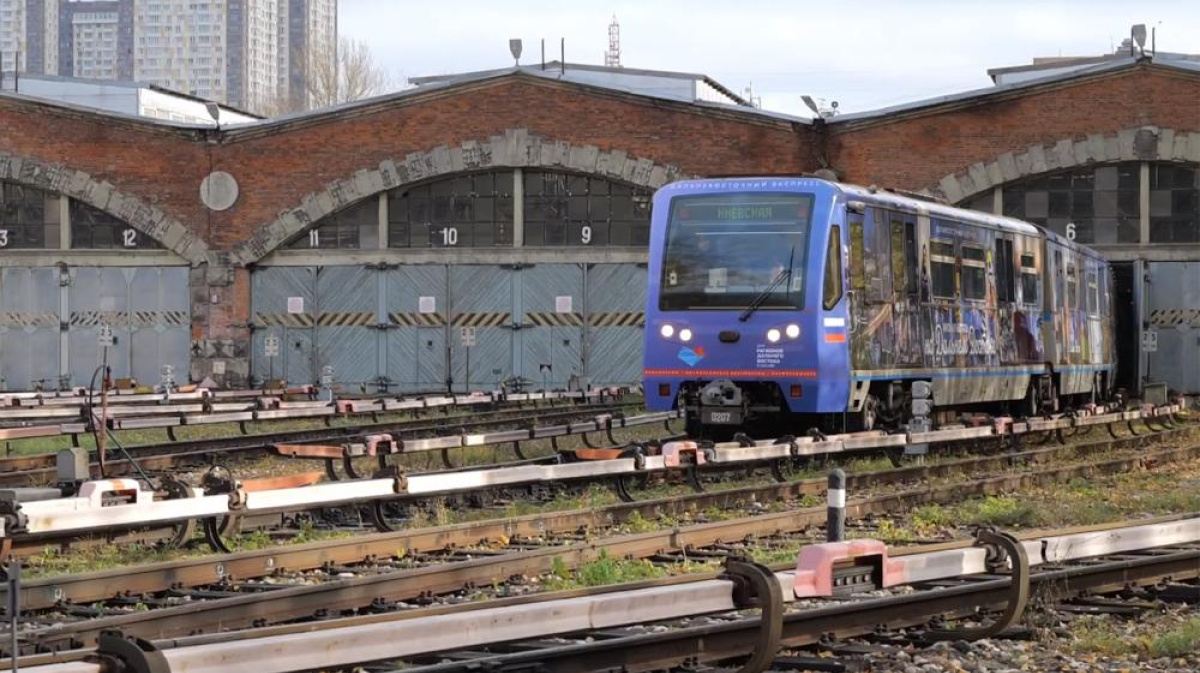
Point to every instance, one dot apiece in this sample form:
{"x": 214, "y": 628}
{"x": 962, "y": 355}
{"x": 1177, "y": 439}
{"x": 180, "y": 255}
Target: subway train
{"x": 779, "y": 305}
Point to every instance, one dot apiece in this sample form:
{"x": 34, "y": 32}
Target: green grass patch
{"x": 606, "y": 571}
{"x": 54, "y": 561}
{"x": 1179, "y": 642}
{"x": 1098, "y": 635}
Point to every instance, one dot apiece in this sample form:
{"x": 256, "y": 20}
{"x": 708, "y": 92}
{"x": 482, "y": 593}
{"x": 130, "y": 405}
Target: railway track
{"x": 107, "y": 507}
{"x": 366, "y": 573}
{"x": 698, "y": 619}
{"x": 41, "y": 468}
{"x": 45, "y": 593}
{"x": 114, "y": 504}
{"x": 82, "y": 417}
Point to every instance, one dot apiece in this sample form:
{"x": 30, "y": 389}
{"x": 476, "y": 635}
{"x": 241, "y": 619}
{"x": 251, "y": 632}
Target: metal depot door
{"x": 160, "y": 320}
{"x": 282, "y": 301}
{"x": 347, "y": 328}
{"x": 1173, "y": 314}
{"x": 148, "y": 311}
{"x": 29, "y": 328}
{"x": 481, "y": 297}
{"x": 416, "y": 307}
{"x": 552, "y": 330}
{"x": 616, "y": 318}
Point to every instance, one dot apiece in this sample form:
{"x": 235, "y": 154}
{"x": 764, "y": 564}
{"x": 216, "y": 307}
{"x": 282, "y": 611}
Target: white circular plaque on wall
{"x": 219, "y": 191}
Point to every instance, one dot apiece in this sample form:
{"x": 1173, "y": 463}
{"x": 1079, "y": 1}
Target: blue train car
{"x": 777, "y": 304}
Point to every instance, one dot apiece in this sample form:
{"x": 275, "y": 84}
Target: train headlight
{"x": 773, "y": 335}
{"x": 667, "y": 331}
{"x": 685, "y": 335}
{"x": 792, "y": 331}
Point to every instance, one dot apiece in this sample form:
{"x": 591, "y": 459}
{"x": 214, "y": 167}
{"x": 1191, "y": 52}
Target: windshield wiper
{"x": 762, "y": 296}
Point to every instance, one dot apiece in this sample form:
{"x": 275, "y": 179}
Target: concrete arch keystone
{"x": 102, "y": 195}
{"x": 517, "y": 148}
{"x": 1142, "y": 143}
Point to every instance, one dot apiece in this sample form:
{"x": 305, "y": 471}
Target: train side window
{"x": 1059, "y": 280}
{"x": 833, "y": 268}
{"x": 1093, "y": 294}
{"x": 974, "y": 273}
{"x": 941, "y": 269}
{"x": 877, "y": 273}
{"x": 1029, "y": 280}
{"x": 1072, "y": 288}
{"x": 899, "y": 277}
{"x": 910, "y": 258}
{"x": 857, "y": 279}
{"x": 1105, "y": 299}
{"x": 1006, "y": 288}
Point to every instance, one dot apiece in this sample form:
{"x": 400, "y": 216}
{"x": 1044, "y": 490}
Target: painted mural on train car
{"x": 984, "y": 309}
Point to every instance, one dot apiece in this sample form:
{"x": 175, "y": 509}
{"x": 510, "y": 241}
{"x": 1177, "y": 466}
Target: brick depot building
{"x": 515, "y": 204}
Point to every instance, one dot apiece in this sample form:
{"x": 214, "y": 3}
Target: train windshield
{"x": 724, "y": 251}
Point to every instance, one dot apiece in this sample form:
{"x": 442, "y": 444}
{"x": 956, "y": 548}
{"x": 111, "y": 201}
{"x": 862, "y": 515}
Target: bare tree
{"x": 351, "y": 73}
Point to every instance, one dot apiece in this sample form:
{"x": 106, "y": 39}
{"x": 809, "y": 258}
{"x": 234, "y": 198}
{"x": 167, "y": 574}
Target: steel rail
{"x": 734, "y": 639}
{"x": 358, "y": 592}
{"x": 1111, "y": 564}
{"x": 86, "y": 512}
{"x": 45, "y": 593}
{"x": 22, "y": 470}
{"x": 23, "y": 545}
{"x": 262, "y": 409}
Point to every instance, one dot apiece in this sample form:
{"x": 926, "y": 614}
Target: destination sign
{"x": 772, "y": 208}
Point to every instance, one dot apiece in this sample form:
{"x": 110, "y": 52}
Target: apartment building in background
{"x": 251, "y": 54}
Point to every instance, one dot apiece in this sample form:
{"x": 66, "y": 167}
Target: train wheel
{"x": 868, "y": 417}
{"x": 1031, "y": 407}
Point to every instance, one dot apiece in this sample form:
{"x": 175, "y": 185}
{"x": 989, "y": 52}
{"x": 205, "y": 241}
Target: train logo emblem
{"x": 691, "y": 356}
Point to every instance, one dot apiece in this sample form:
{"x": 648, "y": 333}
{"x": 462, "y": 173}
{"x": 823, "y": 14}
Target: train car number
{"x": 721, "y": 417}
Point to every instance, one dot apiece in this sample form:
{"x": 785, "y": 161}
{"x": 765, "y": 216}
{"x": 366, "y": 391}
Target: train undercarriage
{"x": 722, "y": 408}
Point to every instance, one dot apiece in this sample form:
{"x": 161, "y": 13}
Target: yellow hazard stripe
{"x": 350, "y": 319}
{"x": 617, "y": 319}
{"x": 546, "y": 319}
{"x": 15, "y": 319}
{"x": 1174, "y": 317}
{"x": 481, "y": 319}
{"x": 417, "y": 319}
{"x": 283, "y": 319}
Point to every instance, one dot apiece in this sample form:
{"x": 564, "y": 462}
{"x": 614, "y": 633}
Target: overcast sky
{"x": 863, "y": 54}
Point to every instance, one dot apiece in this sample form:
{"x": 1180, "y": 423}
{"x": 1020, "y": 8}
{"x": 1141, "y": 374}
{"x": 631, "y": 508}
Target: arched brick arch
{"x": 1144, "y": 143}
{"x": 517, "y": 148}
{"x": 102, "y": 195}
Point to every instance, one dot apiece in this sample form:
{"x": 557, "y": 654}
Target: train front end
{"x": 746, "y": 324}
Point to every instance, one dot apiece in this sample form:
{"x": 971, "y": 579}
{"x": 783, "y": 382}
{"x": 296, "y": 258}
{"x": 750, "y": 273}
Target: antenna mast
{"x": 612, "y": 57}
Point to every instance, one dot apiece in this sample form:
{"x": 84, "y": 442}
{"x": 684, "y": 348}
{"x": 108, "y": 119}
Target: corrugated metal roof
{"x": 980, "y": 94}
{"x": 557, "y": 70}
{"x": 436, "y": 84}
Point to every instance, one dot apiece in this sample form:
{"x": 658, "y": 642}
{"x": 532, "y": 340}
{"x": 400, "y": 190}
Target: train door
{"x": 1054, "y": 302}
{"x": 1005, "y": 264}
{"x": 905, "y": 286}
{"x": 1027, "y": 317}
{"x": 871, "y": 279}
